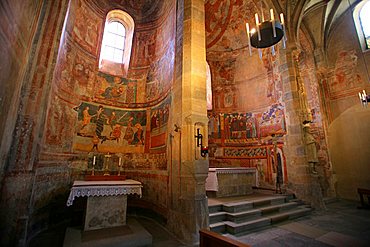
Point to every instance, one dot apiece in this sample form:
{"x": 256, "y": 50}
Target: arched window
{"x": 113, "y": 42}
{"x": 365, "y": 22}
{"x": 116, "y": 43}
{"x": 361, "y": 17}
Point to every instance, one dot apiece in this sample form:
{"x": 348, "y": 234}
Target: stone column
{"x": 301, "y": 181}
{"x": 188, "y": 203}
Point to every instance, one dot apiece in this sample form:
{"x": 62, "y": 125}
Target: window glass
{"x": 365, "y": 22}
{"x": 114, "y": 42}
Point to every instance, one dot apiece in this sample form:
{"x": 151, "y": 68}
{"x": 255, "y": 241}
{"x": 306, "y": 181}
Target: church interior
{"x": 163, "y": 94}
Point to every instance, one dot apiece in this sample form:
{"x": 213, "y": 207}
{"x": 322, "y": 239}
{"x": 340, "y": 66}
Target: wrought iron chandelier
{"x": 266, "y": 33}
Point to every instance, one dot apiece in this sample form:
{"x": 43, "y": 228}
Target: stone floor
{"x": 342, "y": 224}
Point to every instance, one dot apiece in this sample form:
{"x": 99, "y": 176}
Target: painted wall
{"x": 349, "y": 132}
{"x": 18, "y": 21}
{"x": 71, "y": 111}
{"x": 247, "y": 94}
{"x": 93, "y": 113}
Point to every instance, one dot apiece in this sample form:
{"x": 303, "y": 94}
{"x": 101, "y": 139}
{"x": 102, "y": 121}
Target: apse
{"x": 121, "y": 110}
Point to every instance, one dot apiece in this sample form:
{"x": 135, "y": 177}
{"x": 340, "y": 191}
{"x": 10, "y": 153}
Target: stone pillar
{"x": 188, "y": 203}
{"x": 301, "y": 181}
{"x": 322, "y": 73}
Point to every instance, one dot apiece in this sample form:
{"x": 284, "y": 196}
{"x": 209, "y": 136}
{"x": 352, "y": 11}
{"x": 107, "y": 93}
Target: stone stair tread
{"x": 250, "y": 222}
{"x": 271, "y": 200}
{"x": 222, "y": 223}
{"x": 241, "y": 217}
{"x": 217, "y": 213}
{"x": 289, "y": 214}
{"x": 246, "y": 212}
{"x": 278, "y": 206}
{"x": 234, "y": 204}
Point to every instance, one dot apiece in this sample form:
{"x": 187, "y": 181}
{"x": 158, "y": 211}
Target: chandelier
{"x": 266, "y": 33}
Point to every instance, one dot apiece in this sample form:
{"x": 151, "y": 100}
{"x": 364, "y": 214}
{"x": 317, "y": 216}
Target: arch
{"x": 116, "y": 44}
{"x": 361, "y": 19}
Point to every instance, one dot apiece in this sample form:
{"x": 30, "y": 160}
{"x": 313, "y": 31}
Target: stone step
{"x": 290, "y": 214}
{"x": 255, "y": 203}
{"x": 215, "y": 208}
{"x": 219, "y": 227}
{"x": 269, "y": 201}
{"x": 250, "y": 214}
{"x": 238, "y": 217}
{"x": 237, "y": 206}
{"x": 277, "y": 208}
{"x": 242, "y": 228}
{"x": 237, "y": 228}
{"x": 217, "y": 217}
{"x": 242, "y": 217}
{"x": 298, "y": 201}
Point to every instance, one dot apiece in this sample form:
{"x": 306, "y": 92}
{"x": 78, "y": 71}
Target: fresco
{"x": 226, "y": 19}
{"x": 160, "y": 75}
{"x": 242, "y": 128}
{"x": 116, "y": 89}
{"x": 345, "y": 75}
{"x": 272, "y": 121}
{"x": 257, "y": 152}
{"x": 158, "y": 125}
{"x": 217, "y": 19}
{"x": 86, "y": 28}
{"x": 105, "y": 129}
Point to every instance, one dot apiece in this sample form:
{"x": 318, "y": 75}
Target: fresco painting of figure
{"x": 104, "y": 129}
{"x": 214, "y": 128}
{"x": 247, "y": 127}
{"x": 115, "y": 88}
{"x": 158, "y": 124}
{"x": 345, "y": 75}
{"x": 240, "y": 127}
{"x": 86, "y": 28}
{"x": 272, "y": 121}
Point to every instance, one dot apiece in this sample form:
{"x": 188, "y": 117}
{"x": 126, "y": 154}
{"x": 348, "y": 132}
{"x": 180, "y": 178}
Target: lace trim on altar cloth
{"x": 102, "y": 191}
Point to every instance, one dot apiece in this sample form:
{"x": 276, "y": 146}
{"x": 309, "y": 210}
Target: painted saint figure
{"x": 139, "y": 135}
{"x": 100, "y": 119}
{"x": 129, "y": 134}
{"x": 86, "y": 117}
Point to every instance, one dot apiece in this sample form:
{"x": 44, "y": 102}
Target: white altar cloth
{"x": 103, "y": 188}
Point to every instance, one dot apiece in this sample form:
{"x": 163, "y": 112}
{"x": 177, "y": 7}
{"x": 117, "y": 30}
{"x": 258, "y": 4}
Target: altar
{"x": 106, "y": 203}
{"x": 235, "y": 181}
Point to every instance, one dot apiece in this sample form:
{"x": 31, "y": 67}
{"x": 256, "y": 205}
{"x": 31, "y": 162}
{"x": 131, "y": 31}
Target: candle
{"x": 360, "y": 95}
{"x": 272, "y": 14}
{"x": 273, "y": 22}
{"x": 263, "y": 16}
{"x": 249, "y": 40}
{"x": 94, "y": 160}
{"x": 119, "y": 161}
{"x": 257, "y": 26}
{"x": 282, "y": 18}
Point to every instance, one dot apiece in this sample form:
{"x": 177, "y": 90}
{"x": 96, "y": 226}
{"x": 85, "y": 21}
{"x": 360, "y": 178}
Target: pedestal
{"x": 105, "y": 212}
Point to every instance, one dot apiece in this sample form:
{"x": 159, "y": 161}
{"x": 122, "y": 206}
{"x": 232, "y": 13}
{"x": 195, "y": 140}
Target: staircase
{"x": 242, "y": 217}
